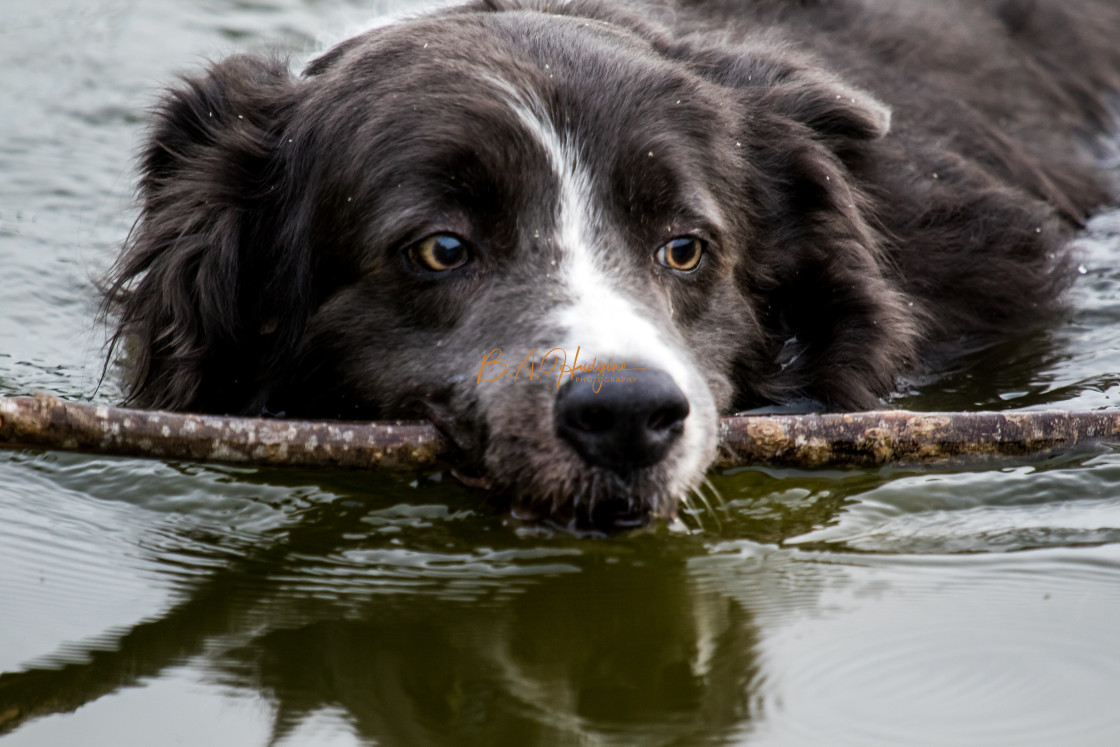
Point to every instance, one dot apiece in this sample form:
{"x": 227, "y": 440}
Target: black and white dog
{"x": 572, "y": 234}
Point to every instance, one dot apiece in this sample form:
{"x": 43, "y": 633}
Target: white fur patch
{"x": 601, "y": 320}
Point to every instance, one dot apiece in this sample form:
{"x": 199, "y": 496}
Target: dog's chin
{"x": 598, "y": 502}
{"x": 612, "y": 519}
{"x": 569, "y": 495}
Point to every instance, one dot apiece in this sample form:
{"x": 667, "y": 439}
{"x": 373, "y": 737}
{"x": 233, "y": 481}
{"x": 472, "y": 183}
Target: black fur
{"x": 888, "y": 177}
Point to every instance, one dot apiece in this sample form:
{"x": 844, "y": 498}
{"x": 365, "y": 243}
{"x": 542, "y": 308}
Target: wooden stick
{"x": 869, "y": 439}
{"x": 47, "y": 422}
{"x": 863, "y": 439}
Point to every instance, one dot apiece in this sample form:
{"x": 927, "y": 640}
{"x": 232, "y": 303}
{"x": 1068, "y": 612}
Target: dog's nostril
{"x": 594, "y": 419}
{"x": 668, "y": 417}
{"x": 624, "y": 425}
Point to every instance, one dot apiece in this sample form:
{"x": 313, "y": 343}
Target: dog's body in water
{"x": 720, "y": 204}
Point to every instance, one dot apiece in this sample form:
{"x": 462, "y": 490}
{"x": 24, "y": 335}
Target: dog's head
{"x": 570, "y": 241}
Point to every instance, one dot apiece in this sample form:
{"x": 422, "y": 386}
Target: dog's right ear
{"x": 206, "y": 296}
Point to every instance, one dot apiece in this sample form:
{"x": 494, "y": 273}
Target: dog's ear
{"x": 819, "y": 266}
{"x": 205, "y": 293}
{"x": 828, "y": 106}
{"x": 774, "y": 78}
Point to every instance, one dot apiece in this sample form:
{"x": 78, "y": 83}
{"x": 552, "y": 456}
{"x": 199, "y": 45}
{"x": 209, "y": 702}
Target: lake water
{"x": 151, "y": 603}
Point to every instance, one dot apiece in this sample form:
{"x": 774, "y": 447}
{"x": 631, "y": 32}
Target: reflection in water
{"x": 554, "y": 642}
{"x": 349, "y": 600}
{"x": 625, "y": 650}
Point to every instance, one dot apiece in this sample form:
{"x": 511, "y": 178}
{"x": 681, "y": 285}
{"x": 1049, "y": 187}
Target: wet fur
{"x": 877, "y": 180}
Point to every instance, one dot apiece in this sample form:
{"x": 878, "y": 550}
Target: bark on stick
{"x": 46, "y": 422}
{"x": 863, "y": 439}
{"x": 869, "y": 439}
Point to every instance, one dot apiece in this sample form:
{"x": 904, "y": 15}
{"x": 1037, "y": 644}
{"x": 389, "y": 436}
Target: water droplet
{"x": 1082, "y": 269}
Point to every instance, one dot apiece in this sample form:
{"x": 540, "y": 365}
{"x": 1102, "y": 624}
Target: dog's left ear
{"x": 793, "y": 85}
{"x": 825, "y": 271}
{"x": 828, "y": 106}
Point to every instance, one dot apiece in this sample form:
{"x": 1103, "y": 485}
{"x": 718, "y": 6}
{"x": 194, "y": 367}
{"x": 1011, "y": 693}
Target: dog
{"x": 572, "y": 234}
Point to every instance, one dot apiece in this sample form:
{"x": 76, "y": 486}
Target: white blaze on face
{"x": 600, "y": 318}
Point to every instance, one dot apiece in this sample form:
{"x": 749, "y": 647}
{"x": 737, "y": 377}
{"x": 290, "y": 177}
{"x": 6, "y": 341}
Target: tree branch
{"x": 862, "y": 439}
{"x": 46, "y": 422}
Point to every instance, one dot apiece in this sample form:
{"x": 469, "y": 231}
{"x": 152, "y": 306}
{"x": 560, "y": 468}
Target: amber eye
{"x": 682, "y": 254}
{"x": 440, "y": 252}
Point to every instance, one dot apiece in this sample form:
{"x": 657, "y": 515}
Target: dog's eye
{"x": 682, "y": 254}
{"x": 440, "y": 252}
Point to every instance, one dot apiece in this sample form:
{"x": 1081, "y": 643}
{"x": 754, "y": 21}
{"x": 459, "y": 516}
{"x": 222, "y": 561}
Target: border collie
{"x": 572, "y": 234}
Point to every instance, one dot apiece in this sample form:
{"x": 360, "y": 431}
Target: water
{"x": 150, "y": 603}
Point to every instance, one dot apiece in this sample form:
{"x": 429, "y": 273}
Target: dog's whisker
{"x": 716, "y": 495}
{"x": 686, "y": 503}
{"x": 699, "y": 492}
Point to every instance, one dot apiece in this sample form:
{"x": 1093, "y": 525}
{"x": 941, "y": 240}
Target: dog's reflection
{"x": 539, "y": 641}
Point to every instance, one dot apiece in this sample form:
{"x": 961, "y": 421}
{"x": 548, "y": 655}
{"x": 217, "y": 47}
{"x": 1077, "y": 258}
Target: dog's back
{"x": 1003, "y": 124}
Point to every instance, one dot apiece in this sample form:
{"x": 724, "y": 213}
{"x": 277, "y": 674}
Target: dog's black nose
{"x": 629, "y": 423}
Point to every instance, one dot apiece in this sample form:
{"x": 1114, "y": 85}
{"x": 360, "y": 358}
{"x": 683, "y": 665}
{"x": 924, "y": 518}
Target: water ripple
{"x": 966, "y": 649}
